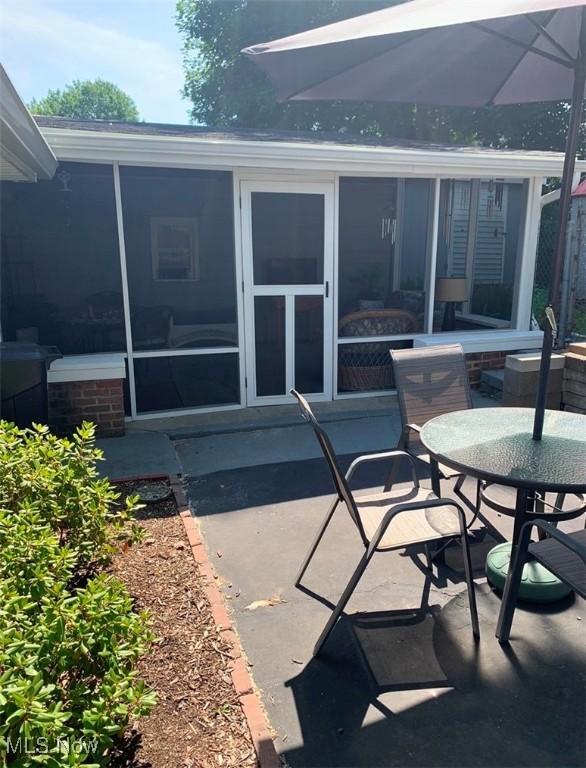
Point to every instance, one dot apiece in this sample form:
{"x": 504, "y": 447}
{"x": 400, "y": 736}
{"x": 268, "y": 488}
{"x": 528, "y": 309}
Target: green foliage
{"x": 540, "y": 300}
{"x": 89, "y": 100}
{"x": 69, "y": 639}
{"x": 58, "y": 477}
{"x": 227, "y": 89}
{"x": 580, "y": 320}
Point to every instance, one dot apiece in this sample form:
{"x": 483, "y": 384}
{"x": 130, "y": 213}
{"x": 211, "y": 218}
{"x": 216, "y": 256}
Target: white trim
{"x": 398, "y": 234}
{"x": 335, "y": 282}
{"x": 179, "y": 352}
{"x": 483, "y": 341}
{"x": 371, "y": 339}
{"x": 124, "y": 279}
{"x": 554, "y": 195}
{"x": 24, "y": 152}
{"x": 289, "y": 292}
{"x": 287, "y": 289}
{"x": 431, "y": 277}
{"x": 239, "y": 285}
{"x": 289, "y": 342}
{"x": 87, "y": 368}
{"x": 194, "y": 152}
{"x": 525, "y": 272}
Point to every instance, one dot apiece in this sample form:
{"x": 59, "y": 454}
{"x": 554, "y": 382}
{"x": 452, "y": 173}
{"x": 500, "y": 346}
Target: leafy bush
{"x": 69, "y": 637}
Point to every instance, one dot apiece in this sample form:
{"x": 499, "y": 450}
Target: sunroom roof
{"x": 266, "y": 135}
{"x": 196, "y": 146}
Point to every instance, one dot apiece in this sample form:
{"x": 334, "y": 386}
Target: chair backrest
{"x": 340, "y": 483}
{"x": 431, "y": 381}
{"x": 377, "y": 322}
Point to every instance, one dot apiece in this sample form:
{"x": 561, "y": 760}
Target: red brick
{"x": 263, "y": 743}
{"x": 230, "y": 637}
{"x": 241, "y": 677}
{"x": 191, "y": 531}
{"x": 220, "y": 615}
{"x": 199, "y": 554}
{"x": 206, "y": 571}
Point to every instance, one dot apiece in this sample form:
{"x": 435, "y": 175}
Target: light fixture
{"x": 452, "y": 291}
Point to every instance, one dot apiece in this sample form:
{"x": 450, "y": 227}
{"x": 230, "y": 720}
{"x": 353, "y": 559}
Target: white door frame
{"x": 288, "y": 291}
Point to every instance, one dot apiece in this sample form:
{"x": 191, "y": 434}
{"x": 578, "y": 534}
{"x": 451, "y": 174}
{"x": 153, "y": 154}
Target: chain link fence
{"x": 572, "y": 316}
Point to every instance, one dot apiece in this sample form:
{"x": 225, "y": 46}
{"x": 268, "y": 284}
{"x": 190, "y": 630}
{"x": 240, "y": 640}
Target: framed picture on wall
{"x": 174, "y": 249}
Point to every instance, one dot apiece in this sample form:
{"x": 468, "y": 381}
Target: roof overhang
{"x": 24, "y": 153}
{"x": 193, "y": 152}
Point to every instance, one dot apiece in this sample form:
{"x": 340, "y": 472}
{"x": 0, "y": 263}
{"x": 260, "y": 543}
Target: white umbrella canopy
{"x": 453, "y": 53}
{"x": 458, "y": 53}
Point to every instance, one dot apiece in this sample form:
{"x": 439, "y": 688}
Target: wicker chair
{"x": 366, "y": 366}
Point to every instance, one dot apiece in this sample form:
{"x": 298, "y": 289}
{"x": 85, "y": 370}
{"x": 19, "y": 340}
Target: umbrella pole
{"x": 560, "y": 242}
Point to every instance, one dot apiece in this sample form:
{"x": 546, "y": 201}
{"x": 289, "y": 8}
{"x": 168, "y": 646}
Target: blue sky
{"x": 134, "y": 43}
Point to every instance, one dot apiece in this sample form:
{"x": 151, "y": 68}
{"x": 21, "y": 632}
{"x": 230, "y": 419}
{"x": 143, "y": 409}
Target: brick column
{"x": 102, "y": 402}
{"x": 88, "y": 388}
{"x": 476, "y": 362}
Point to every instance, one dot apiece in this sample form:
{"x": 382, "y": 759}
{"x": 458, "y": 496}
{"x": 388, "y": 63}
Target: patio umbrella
{"x": 450, "y": 52}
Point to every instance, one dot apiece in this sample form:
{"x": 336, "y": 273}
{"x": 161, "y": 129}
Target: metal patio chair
{"x": 564, "y": 554}
{"x": 386, "y": 521}
{"x": 430, "y": 381}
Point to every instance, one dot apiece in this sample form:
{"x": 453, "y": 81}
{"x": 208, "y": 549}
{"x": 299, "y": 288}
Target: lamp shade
{"x": 451, "y": 289}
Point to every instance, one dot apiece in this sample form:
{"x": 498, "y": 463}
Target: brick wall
{"x": 102, "y": 402}
{"x": 481, "y": 361}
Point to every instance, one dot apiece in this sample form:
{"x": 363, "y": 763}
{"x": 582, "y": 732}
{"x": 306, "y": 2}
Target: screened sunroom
{"x": 222, "y": 269}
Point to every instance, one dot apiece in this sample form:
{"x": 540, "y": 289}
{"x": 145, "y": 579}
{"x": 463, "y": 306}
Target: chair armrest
{"x": 396, "y": 454}
{"x": 565, "y": 539}
{"x": 405, "y": 432}
{"x": 411, "y": 506}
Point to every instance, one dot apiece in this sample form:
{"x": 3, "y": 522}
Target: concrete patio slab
{"x": 138, "y": 454}
{"x": 401, "y": 682}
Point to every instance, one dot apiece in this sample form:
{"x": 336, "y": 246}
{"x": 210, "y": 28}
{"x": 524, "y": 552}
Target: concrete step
{"x": 491, "y": 382}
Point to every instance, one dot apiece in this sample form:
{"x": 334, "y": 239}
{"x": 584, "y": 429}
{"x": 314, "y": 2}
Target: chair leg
{"x": 346, "y": 595}
{"x": 511, "y": 590}
{"x": 470, "y": 585}
{"x": 392, "y": 477}
{"x": 316, "y": 541}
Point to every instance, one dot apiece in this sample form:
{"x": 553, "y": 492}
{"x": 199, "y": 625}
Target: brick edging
{"x": 248, "y": 695}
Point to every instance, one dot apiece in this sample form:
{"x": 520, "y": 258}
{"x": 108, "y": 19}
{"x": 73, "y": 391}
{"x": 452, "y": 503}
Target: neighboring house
{"x": 24, "y": 153}
{"x": 221, "y": 268}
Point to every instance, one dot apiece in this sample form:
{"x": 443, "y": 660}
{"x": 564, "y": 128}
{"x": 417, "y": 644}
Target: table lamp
{"x": 452, "y": 291}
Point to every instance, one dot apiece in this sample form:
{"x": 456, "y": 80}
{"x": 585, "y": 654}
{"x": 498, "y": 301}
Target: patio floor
{"x": 401, "y": 682}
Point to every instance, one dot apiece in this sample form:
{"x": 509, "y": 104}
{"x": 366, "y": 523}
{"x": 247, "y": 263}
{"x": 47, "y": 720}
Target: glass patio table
{"x": 496, "y": 445}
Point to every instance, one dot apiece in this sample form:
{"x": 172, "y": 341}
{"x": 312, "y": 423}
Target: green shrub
{"x": 69, "y": 637}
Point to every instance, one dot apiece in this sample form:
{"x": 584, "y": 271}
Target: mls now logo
{"x": 44, "y": 746}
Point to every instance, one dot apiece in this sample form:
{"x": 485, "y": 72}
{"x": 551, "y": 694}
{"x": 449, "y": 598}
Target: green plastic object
{"x": 538, "y": 585}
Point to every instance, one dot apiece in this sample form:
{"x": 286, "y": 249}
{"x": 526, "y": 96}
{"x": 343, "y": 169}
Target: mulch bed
{"x": 198, "y": 721}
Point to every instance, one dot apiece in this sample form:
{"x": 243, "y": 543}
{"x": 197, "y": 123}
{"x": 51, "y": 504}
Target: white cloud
{"x": 45, "y": 47}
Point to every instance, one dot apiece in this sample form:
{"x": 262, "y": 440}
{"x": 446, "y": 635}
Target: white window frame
{"x": 281, "y": 161}
{"x": 289, "y": 292}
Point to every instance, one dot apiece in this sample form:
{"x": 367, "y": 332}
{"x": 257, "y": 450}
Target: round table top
{"x": 496, "y": 444}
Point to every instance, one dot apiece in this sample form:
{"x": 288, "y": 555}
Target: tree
{"x": 227, "y": 89}
{"x": 87, "y": 99}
